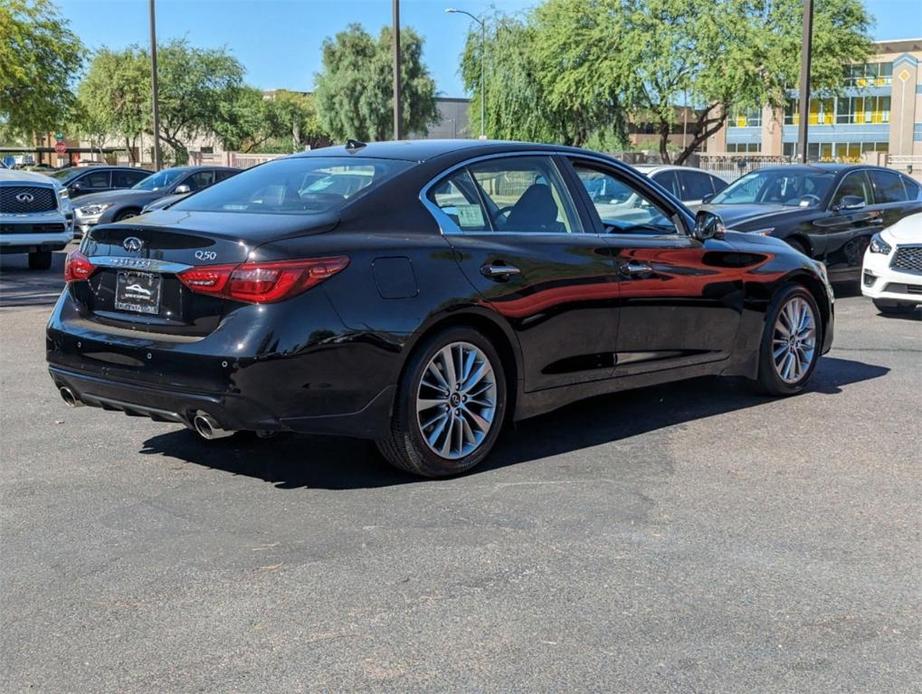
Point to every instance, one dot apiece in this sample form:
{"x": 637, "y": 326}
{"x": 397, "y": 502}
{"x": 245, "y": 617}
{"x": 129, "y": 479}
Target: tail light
{"x": 77, "y": 267}
{"x": 261, "y": 283}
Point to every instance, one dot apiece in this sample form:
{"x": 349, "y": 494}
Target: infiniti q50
{"x": 422, "y": 294}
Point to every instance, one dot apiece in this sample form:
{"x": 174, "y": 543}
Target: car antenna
{"x": 354, "y": 145}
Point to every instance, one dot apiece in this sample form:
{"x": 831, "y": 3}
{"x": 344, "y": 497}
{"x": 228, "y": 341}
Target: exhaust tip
{"x": 69, "y": 397}
{"x": 208, "y": 428}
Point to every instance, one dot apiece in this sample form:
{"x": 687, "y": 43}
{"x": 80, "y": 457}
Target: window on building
{"x": 869, "y": 75}
{"x": 744, "y": 147}
{"x": 746, "y": 118}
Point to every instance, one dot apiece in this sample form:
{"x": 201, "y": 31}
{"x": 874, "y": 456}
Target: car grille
{"x": 26, "y": 199}
{"x": 908, "y": 259}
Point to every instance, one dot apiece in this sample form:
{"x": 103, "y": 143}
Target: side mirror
{"x": 850, "y": 202}
{"x": 74, "y": 187}
{"x": 707, "y": 198}
{"x": 708, "y": 226}
{"x": 182, "y": 189}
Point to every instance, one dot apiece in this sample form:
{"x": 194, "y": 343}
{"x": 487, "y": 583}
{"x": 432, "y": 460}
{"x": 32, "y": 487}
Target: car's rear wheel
{"x": 894, "y": 308}
{"x": 791, "y": 342}
{"x": 40, "y": 260}
{"x": 450, "y": 405}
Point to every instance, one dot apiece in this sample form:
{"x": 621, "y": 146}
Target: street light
{"x": 483, "y": 52}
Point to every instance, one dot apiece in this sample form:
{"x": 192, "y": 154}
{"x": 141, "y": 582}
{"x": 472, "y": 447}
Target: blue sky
{"x": 278, "y": 41}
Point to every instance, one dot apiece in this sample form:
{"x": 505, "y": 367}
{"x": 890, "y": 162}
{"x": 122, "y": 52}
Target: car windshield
{"x": 159, "y": 180}
{"x": 778, "y": 187}
{"x": 295, "y": 185}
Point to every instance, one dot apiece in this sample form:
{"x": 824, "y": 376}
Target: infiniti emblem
{"x": 133, "y": 244}
{"x": 25, "y": 197}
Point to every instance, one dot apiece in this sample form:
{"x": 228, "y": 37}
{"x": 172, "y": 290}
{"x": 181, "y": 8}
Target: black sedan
{"x": 85, "y": 180}
{"x": 826, "y": 211}
{"x": 116, "y": 205}
{"x": 436, "y": 292}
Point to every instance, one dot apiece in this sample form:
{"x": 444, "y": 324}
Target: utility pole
{"x": 483, "y": 68}
{"x": 806, "y": 52}
{"x": 154, "y": 85}
{"x": 398, "y": 119}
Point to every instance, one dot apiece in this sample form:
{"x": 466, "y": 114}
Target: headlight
{"x": 62, "y": 193}
{"x": 767, "y": 231}
{"x": 878, "y": 245}
{"x": 93, "y": 210}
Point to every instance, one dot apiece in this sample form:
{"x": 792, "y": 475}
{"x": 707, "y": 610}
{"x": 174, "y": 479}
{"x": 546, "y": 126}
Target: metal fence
{"x": 240, "y": 160}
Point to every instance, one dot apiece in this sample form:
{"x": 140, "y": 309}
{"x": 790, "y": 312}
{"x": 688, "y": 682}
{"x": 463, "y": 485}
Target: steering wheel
{"x": 808, "y": 200}
{"x": 501, "y": 211}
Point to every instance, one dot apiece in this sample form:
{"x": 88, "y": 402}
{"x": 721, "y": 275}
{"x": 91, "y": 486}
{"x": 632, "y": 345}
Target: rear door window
{"x": 888, "y": 186}
{"x": 457, "y": 198}
{"x": 669, "y": 181}
{"x": 695, "y": 185}
{"x": 126, "y": 179}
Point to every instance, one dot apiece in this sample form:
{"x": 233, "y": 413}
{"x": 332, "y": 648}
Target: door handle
{"x": 635, "y": 269}
{"x": 876, "y": 220}
{"x": 499, "y": 271}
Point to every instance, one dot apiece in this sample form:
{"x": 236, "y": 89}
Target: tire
{"x": 40, "y": 260}
{"x": 126, "y": 214}
{"x": 785, "y": 367}
{"x": 447, "y": 437}
{"x": 894, "y": 308}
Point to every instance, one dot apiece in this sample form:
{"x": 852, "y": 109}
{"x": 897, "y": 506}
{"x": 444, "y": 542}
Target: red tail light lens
{"x": 77, "y": 267}
{"x": 262, "y": 283}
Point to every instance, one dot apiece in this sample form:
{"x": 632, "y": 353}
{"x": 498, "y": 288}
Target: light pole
{"x": 806, "y": 51}
{"x": 483, "y": 53}
{"x": 153, "y": 84}
{"x": 398, "y": 116}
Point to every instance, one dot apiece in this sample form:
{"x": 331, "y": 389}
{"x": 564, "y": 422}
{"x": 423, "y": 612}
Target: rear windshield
{"x": 295, "y": 185}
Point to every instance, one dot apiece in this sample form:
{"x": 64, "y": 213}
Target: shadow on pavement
{"x": 291, "y": 462}
{"x": 20, "y": 286}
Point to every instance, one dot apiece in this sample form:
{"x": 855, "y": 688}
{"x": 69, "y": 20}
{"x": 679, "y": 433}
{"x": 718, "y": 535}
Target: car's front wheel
{"x": 791, "y": 342}
{"x": 450, "y": 405}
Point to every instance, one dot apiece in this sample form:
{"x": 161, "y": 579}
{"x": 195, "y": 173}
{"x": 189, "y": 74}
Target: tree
{"x": 718, "y": 55}
{"x": 114, "y": 97}
{"x": 523, "y": 98}
{"x": 39, "y": 60}
{"x": 353, "y": 90}
{"x": 196, "y": 86}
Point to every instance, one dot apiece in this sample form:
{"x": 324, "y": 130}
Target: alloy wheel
{"x": 794, "y": 340}
{"x": 456, "y": 400}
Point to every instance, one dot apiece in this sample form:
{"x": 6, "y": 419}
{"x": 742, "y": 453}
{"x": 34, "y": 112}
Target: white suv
{"x": 35, "y": 216}
{"x": 892, "y": 273}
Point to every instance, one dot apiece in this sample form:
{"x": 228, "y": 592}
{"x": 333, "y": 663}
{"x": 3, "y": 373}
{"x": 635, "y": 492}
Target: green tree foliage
{"x": 354, "y": 89}
{"x": 281, "y": 121}
{"x": 39, "y": 60}
{"x": 294, "y": 117}
{"x": 114, "y": 97}
{"x": 574, "y": 71}
{"x": 195, "y": 86}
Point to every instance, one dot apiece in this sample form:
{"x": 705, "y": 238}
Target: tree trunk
{"x": 704, "y": 128}
{"x": 130, "y": 150}
{"x": 665, "y": 129}
{"x": 295, "y": 136}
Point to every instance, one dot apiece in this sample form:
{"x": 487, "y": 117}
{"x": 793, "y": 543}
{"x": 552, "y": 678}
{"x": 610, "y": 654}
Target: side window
{"x": 125, "y": 179}
{"x": 913, "y": 189}
{"x": 718, "y": 183}
{"x": 524, "y": 194}
{"x": 669, "y": 181}
{"x": 223, "y": 175}
{"x": 697, "y": 185}
{"x": 854, "y": 184}
{"x": 200, "y": 179}
{"x": 457, "y": 197}
{"x": 888, "y": 186}
{"x": 623, "y": 210}
{"x": 96, "y": 180}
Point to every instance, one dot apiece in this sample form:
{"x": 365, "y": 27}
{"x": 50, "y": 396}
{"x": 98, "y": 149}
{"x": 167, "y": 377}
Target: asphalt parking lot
{"x": 694, "y": 537}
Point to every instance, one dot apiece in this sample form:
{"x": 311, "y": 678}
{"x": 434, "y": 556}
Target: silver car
{"x": 35, "y": 216}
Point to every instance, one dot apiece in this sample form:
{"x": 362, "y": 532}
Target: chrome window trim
{"x": 448, "y": 227}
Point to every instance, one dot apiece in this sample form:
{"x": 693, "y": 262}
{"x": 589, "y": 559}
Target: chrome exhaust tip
{"x": 208, "y": 428}
{"x": 69, "y": 397}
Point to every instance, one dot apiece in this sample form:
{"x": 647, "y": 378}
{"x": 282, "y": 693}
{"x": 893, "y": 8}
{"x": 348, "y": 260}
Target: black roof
{"x": 422, "y": 150}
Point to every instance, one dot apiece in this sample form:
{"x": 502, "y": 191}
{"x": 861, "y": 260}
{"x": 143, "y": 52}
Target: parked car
{"x": 84, "y": 180}
{"x": 826, "y": 211}
{"x": 688, "y": 184}
{"x": 116, "y": 205}
{"x": 35, "y": 216}
{"x": 167, "y": 200}
{"x": 892, "y": 272}
{"x": 463, "y": 285}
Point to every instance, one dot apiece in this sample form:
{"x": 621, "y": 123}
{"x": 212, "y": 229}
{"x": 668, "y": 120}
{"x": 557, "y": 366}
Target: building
{"x": 879, "y": 113}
